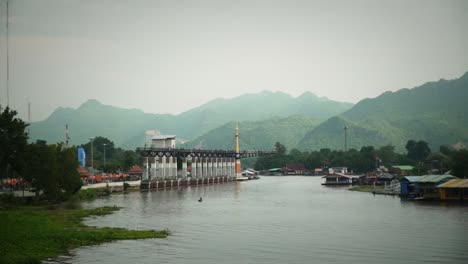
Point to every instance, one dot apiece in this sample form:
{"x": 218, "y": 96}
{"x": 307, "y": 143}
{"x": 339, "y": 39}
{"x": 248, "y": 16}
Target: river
{"x": 280, "y": 220}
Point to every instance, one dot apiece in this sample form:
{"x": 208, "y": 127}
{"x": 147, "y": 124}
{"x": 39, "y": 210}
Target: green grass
{"x": 92, "y": 193}
{"x": 367, "y": 188}
{"x": 32, "y": 234}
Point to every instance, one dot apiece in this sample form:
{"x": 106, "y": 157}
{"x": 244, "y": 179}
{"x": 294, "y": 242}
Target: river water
{"x": 280, "y": 220}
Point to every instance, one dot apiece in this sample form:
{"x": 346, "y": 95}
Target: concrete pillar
{"x": 199, "y": 167}
{"x": 194, "y": 167}
{"x": 227, "y": 167}
{"x": 146, "y": 171}
{"x": 233, "y": 167}
{"x": 184, "y": 168}
{"x": 210, "y": 167}
{"x": 215, "y": 167}
{"x": 169, "y": 167}
{"x": 159, "y": 167}
{"x": 224, "y": 167}
{"x": 205, "y": 167}
{"x": 163, "y": 167}
{"x": 153, "y": 168}
{"x": 174, "y": 167}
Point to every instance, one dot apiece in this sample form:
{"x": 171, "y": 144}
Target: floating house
{"x": 377, "y": 178}
{"x": 340, "y": 179}
{"x": 295, "y": 169}
{"x": 423, "y": 187}
{"x": 456, "y": 189}
{"x": 407, "y": 186}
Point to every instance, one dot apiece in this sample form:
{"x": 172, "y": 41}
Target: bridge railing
{"x": 201, "y": 153}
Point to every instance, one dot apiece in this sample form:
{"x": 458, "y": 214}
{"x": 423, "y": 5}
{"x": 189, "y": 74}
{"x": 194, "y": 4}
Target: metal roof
{"x": 403, "y": 167}
{"x": 455, "y": 183}
{"x": 275, "y": 169}
{"x": 434, "y": 178}
{"x": 412, "y": 178}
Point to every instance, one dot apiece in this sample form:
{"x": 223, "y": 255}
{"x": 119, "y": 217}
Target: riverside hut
{"x": 340, "y": 179}
{"x": 424, "y": 187}
{"x": 456, "y": 189}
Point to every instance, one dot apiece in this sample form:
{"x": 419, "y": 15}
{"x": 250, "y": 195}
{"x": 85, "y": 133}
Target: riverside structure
{"x": 207, "y": 165}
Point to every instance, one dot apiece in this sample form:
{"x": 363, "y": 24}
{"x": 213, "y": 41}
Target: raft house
{"x": 456, "y": 190}
{"x": 423, "y": 187}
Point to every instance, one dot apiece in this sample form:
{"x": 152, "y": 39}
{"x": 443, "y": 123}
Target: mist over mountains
{"x": 126, "y": 127}
{"x": 436, "y": 112}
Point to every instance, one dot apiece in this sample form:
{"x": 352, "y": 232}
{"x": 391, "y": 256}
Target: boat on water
{"x": 242, "y": 178}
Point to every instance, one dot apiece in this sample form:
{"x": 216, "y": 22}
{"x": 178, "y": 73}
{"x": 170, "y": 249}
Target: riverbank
{"x": 31, "y": 234}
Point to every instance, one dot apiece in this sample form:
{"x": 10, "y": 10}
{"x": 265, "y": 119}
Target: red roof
{"x": 83, "y": 172}
{"x": 135, "y": 170}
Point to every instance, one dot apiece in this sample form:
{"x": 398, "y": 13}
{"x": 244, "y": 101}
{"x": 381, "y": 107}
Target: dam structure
{"x": 166, "y": 166}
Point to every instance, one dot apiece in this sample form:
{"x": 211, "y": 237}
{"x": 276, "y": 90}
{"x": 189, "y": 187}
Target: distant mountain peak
{"x": 310, "y": 95}
{"x": 91, "y": 102}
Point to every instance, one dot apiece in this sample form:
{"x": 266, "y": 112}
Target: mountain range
{"x": 436, "y": 112}
{"x": 126, "y": 127}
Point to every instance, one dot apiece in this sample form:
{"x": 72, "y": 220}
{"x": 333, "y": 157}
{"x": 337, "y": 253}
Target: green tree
{"x": 460, "y": 164}
{"x": 387, "y": 155}
{"x": 13, "y": 141}
{"x": 417, "y": 151}
{"x": 129, "y": 159}
{"x": 280, "y": 148}
{"x": 366, "y": 160}
{"x": 53, "y": 170}
{"x": 70, "y": 180}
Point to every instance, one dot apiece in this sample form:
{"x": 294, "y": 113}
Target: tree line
{"x": 368, "y": 158}
{"x": 51, "y": 169}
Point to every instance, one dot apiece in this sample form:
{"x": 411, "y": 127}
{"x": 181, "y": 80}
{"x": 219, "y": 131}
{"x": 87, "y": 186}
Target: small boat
{"x": 242, "y": 178}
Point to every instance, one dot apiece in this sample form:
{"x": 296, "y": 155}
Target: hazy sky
{"x": 170, "y": 56}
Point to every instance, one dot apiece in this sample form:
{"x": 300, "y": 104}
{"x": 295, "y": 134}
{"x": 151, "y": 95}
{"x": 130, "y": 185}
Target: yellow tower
{"x": 238, "y": 162}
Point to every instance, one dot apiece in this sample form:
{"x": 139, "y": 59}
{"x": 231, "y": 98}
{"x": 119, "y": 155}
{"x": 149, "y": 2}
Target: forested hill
{"x": 267, "y": 104}
{"x": 261, "y": 135}
{"x": 436, "y": 112}
{"x": 126, "y": 127}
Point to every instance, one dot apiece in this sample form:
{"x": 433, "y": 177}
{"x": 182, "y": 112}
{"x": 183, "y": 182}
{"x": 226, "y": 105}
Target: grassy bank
{"x": 367, "y": 188}
{"x": 31, "y": 234}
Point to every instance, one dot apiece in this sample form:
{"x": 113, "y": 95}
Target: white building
{"x": 163, "y": 141}
{"x": 343, "y": 170}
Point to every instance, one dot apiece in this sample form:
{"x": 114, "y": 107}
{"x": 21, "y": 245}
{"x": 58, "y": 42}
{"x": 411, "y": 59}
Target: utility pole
{"x": 8, "y": 54}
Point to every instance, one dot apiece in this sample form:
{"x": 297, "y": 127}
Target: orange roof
{"x": 456, "y": 183}
{"x": 83, "y": 172}
{"x": 135, "y": 170}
